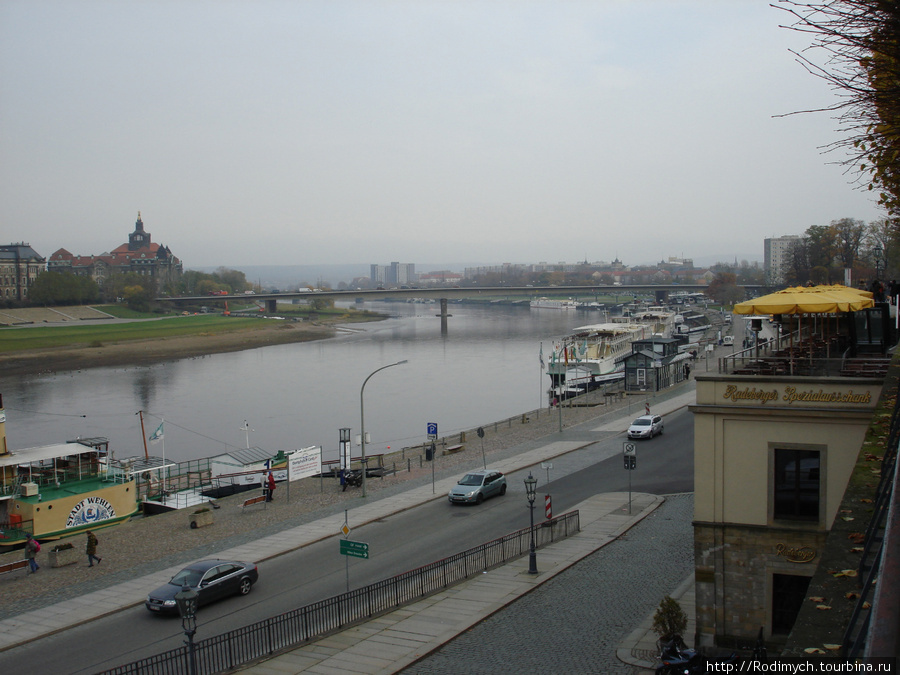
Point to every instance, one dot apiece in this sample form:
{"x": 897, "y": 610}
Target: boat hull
{"x": 53, "y": 514}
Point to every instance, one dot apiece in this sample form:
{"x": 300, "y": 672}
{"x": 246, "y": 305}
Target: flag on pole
{"x": 158, "y": 434}
{"x": 541, "y": 357}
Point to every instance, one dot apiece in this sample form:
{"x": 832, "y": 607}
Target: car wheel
{"x": 502, "y": 490}
{"x": 479, "y": 498}
{"x": 245, "y": 586}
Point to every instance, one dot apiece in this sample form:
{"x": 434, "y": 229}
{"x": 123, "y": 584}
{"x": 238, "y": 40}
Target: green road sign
{"x": 355, "y": 549}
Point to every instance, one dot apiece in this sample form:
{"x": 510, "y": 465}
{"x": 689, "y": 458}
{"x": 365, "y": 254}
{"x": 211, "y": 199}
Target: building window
{"x": 641, "y": 377}
{"x": 796, "y": 484}
{"x": 788, "y": 593}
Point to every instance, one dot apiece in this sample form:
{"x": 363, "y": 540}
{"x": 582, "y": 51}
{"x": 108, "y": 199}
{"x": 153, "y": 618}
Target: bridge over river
{"x": 660, "y": 291}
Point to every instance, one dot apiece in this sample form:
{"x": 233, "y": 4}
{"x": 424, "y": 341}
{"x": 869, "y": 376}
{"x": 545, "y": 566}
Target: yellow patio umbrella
{"x": 808, "y": 300}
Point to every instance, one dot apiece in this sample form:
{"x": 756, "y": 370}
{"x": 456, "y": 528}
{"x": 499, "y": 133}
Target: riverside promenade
{"x": 124, "y": 585}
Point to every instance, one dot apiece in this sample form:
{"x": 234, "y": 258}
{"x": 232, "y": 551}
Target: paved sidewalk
{"x": 602, "y": 519}
{"x": 393, "y": 641}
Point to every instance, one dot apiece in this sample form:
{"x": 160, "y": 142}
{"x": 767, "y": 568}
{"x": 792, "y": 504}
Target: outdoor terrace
{"x": 811, "y": 357}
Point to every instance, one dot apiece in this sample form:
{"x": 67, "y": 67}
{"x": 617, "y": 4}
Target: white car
{"x": 646, "y": 426}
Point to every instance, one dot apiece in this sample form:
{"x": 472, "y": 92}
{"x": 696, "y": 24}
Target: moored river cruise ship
{"x": 594, "y": 354}
{"x": 547, "y": 303}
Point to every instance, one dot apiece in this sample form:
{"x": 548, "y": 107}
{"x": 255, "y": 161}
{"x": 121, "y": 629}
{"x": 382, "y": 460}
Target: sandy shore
{"x": 144, "y": 352}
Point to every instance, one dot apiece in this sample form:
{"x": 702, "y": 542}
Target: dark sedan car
{"x": 211, "y": 579}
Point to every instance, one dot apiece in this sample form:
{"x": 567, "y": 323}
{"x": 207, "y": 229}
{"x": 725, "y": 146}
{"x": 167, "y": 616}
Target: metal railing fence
{"x": 878, "y": 565}
{"x": 292, "y": 629}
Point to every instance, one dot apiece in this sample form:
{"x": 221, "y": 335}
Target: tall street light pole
{"x": 186, "y": 600}
{"x": 362, "y": 420}
{"x": 530, "y": 485}
{"x": 879, "y": 252}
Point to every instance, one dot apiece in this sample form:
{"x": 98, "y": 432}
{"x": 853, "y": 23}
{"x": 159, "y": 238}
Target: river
{"x": 485, "y": 368}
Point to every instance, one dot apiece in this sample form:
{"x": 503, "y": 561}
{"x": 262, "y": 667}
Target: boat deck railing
{"x": 181, "y": 500}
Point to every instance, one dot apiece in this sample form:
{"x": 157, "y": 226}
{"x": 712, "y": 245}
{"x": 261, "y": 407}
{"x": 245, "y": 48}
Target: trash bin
{"x": 429, "y": 452}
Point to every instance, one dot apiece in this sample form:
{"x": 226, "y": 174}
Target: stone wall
{"x": 734, "y": 565}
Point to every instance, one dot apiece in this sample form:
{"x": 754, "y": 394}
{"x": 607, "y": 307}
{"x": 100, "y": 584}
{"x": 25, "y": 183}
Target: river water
{"x": 484, "y": 369}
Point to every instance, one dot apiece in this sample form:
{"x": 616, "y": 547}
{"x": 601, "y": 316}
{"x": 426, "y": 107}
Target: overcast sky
{"x": 332, "y": 131}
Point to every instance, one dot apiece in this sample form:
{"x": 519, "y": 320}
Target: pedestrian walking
{"x": 31, "y": 550}
{"x": 270, "y": 484}
{"x": 91, "y": 549}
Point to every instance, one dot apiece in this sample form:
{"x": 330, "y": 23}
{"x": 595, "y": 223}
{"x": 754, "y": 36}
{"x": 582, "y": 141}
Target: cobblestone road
{"x": 574, "y": 623}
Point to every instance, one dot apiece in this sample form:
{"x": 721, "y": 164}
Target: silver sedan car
{"x": 476, "y": 486}
{"x": 646, "y": 426}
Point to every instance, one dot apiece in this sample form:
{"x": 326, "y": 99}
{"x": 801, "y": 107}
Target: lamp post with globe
{"x": 530, "y": 485}
{"x": 186, "y": 599}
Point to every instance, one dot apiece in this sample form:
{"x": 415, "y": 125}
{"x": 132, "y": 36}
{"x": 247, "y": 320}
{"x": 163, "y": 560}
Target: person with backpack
{"x": 91, "y": 549}
{"x": 32, "y": 547}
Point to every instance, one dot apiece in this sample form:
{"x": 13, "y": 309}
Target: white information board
{"x": 305, "y": 462}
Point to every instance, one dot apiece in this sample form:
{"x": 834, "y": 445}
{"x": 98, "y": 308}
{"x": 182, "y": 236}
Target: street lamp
{"x": 530, "y": 484}
{"x": 186, "y": 599}
{"x": 879, "y": 255}
{"x": 756, "y": 327}
{"x": 362, "y": 421}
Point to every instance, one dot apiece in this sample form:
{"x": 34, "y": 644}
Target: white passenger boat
{"x": 594, "y": 354}
{"x": 547, "y": 303}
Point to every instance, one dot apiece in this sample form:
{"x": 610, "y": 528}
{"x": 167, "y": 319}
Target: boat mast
{"x": 143, "y": 434}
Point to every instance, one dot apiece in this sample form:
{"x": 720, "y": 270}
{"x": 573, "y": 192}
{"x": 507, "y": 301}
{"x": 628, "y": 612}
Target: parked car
{"x": 476, "y": 486}
{"x": 211, "y": 579}
{"x": 646, "y": 426}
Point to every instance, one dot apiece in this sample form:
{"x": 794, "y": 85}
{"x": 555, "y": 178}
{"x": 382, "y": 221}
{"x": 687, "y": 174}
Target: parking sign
{"x": 432, "y": 430}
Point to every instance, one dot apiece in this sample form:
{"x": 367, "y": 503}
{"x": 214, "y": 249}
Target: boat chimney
{"x": 3, "y": 449}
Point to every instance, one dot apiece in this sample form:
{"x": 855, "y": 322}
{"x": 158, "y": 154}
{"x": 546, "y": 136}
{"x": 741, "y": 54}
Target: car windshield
{"x": 641, "y": 423}
{"x": 189, "y": 576}
{"x": 471, "y": 479}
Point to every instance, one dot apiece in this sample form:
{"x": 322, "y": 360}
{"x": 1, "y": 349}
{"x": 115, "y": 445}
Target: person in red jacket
{"x": 270, "y": 484}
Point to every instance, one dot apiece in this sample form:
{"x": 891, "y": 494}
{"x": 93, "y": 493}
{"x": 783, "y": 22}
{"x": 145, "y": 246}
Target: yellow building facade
{"x": 772, "y": 457}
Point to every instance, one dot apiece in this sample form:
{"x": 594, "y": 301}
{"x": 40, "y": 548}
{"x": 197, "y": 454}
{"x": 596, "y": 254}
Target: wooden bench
{"x": 254, "y": 500}
{"x": 450, "y": 449}
{"x": 13, "y": 566}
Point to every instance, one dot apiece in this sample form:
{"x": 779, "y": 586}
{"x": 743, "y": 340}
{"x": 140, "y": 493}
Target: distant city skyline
{"x": 331, "y": 131}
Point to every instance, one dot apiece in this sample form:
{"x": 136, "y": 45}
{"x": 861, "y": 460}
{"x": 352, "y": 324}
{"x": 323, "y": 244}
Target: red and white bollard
{"x": 548, "y": 509}
{"x": 647, "y": 407}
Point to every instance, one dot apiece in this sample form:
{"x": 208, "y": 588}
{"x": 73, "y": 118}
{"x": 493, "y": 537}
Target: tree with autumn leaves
{"x": 856, "y": 50}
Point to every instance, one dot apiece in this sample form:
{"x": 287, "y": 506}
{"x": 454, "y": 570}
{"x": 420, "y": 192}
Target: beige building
{"x": 19, "y": 267}
{"x": 772, "y": 457}
{"x": 140, "y": 255}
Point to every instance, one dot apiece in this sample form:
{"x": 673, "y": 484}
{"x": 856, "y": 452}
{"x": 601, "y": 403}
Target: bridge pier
{"x": 444, "y": 316}
{"x": 271, "y": 306}
{"x": 662, "y": 296}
